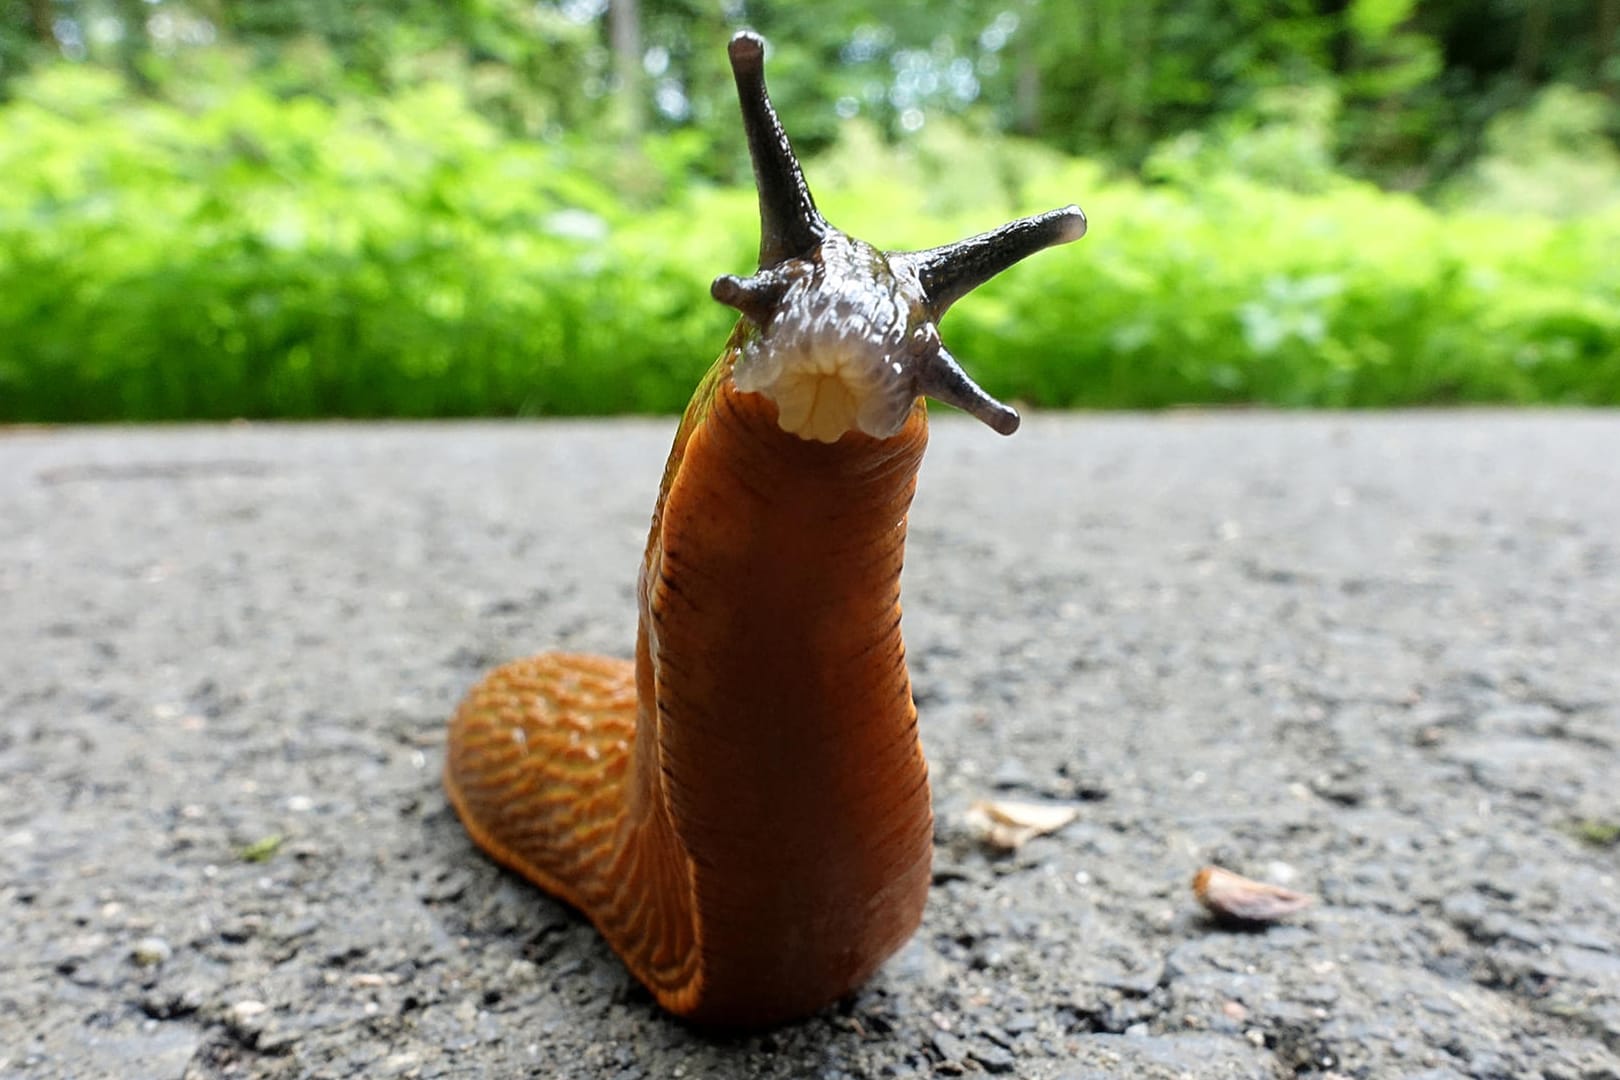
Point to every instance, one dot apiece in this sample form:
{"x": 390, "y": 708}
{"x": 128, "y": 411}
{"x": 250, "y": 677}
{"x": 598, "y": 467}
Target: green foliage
{"x": 1287, "y": 141}
{"x": 1241, "y": 293}
{"x": 1218, "y": 289}
{"x": 301, "y": 258}
{"x": 1550, "y": 157}
{"x": 1414, "y": 83}
{"x": 265, "y": 254}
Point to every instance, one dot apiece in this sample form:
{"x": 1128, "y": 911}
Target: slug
{"x": 743, "y": 810}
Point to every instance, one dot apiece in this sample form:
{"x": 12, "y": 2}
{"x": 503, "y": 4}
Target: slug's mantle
{"x": 844, "y": 335}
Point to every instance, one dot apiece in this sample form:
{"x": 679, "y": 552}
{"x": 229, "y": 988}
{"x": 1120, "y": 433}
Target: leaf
{"x": 262, "y": 850}
{"x": 1008, "y": 825}
{"x": 1239, "y": 899}
{"x": 1372, "y": 20}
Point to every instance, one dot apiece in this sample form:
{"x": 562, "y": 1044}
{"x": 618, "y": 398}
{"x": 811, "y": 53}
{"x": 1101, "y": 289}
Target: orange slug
{"x": 743, "y": 810}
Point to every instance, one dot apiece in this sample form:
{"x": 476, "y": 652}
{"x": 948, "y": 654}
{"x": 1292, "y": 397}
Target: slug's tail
{"x": 537, "y": 766}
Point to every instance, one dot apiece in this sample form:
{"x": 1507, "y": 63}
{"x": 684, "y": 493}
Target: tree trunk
{"x": 1532, "y": 41}
{"x": 134, "y": 45}
{"x": 1027, "y": 87}
{"x": 1608, "y": 29}
{"x": 44, "y": 30}
{"x": 219, "y": 13}
{"x": 1136, "y": 100}
{"x": 624, "y": 33}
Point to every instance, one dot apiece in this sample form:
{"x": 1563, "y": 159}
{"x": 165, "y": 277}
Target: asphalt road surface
{"x": 1375, "y": 658}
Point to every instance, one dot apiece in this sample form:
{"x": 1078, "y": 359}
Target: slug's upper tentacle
{"x": 951, "y": 271}
{"x": 844, "y": 336}
{"x": 790, "y": 226}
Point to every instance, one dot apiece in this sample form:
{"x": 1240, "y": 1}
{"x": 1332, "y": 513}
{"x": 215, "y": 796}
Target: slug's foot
{"x": 539, "y": 769}
{"x": 536, "y": 763}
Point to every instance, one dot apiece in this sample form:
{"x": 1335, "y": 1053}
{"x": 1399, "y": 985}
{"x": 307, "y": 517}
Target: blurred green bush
{"x": 253, "y": 255}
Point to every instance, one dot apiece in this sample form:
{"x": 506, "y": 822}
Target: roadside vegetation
{"x": 256, "y": 227}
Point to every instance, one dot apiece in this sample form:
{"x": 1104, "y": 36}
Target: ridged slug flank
{"x": 743, "y": 810}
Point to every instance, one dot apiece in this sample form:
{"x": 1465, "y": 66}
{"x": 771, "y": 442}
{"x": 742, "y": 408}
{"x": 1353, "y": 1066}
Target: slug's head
{"x": 847, "y": 335}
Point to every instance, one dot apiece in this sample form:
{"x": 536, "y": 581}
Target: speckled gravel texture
{"x": 1375, "y": 658}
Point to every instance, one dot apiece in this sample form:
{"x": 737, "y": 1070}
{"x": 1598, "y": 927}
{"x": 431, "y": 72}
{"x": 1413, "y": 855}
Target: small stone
{"x": 1138, "y": 983}
{"x": 1010, "y": 774}
{"x": 1340, "y": 787}
{"x": 993, "y": 1058}
{"x": 1319, "y": 993}
{"x": 1464, "y": 910}
{"x": 150, "y": 952}
{"x": 949, "y": 1046}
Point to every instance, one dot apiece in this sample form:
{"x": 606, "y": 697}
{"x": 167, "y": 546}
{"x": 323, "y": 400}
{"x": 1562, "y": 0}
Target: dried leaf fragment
{"x": 1240, "y": 899}
{"x": 1008, "y": 824}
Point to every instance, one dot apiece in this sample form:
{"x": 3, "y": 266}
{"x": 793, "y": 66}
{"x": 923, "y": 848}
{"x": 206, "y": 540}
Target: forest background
{"x": 310, "y": 208}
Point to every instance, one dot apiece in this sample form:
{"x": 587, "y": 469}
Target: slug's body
{"x": 778, "y": 732}
{"x": 744, "y": 810}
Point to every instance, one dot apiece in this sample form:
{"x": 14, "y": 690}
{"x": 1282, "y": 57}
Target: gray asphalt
{"x": 1375, "y": 658}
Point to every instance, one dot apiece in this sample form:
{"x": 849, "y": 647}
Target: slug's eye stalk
{"x": 950, "y": 272}
{"x": 790, "y": 226}
{"x": 846, "y": 335}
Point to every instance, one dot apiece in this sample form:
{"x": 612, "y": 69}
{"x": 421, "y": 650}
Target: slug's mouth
{"x": 839, "y": 348}
{"x": 824, "y": 392}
